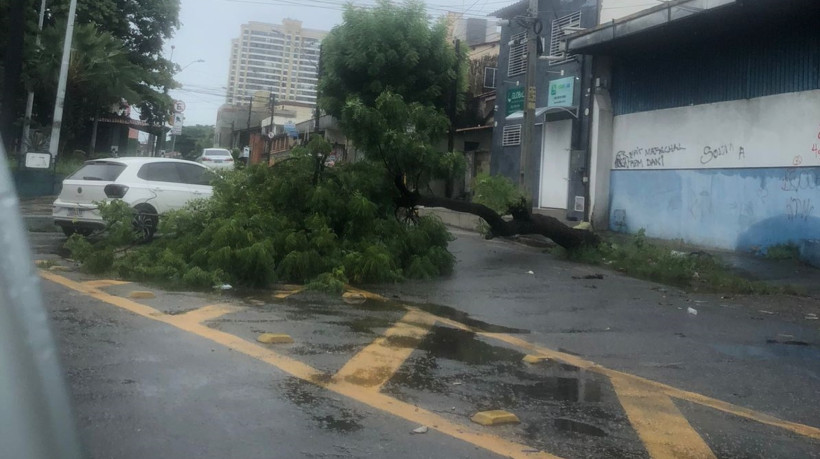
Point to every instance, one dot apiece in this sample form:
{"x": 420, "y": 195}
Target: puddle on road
{"x": 571, "y": 425}
{"x": 366, "y": 324}
{"x": 460, "y": 373}
{"x": 325, "y": 411}
{"x": 459, "y": 316}
{"x": 460, "y": 345}
{"x": 515, "y": 383}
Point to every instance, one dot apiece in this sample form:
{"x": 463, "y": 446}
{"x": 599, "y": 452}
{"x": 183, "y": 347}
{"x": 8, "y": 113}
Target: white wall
{"x": 774, "y": 131}
{"x": 601, "y": 160}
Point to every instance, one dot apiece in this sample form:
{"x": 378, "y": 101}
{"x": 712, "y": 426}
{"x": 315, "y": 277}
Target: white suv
{"x": 152, "y": 186}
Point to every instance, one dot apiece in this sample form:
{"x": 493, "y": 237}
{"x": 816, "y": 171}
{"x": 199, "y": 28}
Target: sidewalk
{"x": 776, "y": 272}
{"x": 36, "y": 213}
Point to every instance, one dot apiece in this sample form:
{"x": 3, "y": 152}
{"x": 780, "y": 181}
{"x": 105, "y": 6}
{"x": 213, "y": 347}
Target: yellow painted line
{"x": 801, "y": 429}
{"x": 663, "y": 429}
{"x": 378, "y": 362}
{"x": 287, "y": 290}
{"x": 720, "y": 405}
{"x": 209, "y": 312}
{"x": 302, "y": 371}
{"x": 366, "y": 294}
{"x": 421, "y": 416}
{"x": 104, "y": 283}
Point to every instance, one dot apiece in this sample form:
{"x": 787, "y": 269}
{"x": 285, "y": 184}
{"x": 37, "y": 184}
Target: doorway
{"x": 555, "y": 152}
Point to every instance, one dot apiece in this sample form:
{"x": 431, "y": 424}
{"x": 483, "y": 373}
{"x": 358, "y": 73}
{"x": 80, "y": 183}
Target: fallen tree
{"x": 388, "y": 75}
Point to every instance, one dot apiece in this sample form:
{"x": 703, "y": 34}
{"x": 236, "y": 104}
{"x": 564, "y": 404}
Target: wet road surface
{"x": 181, "y": 375}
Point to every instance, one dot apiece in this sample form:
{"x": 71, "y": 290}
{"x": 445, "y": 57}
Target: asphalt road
{"x": 624, "y": 370}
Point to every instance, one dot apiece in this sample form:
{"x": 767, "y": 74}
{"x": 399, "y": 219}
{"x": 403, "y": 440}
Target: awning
{"x": 679, "y": 21}
{"x": 519, "y": 115}
{"x": 597, "y": 39}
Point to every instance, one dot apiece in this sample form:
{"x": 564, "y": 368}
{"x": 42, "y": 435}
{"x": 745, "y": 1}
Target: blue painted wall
{"x": 734, "y": 209}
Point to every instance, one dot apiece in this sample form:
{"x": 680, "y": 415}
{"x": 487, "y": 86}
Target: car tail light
{"x": 205, "y": 158}
{"x": 228, "y": 160}
{"x": 115, "y": 190}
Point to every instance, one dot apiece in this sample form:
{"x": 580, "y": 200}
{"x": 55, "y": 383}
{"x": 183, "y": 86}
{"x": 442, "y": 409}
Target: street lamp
{"x": 197, "y": 61}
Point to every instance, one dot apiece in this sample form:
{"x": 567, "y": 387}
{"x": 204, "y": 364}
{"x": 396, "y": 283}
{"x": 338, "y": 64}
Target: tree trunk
{"x": 13, "y": 67}
{"x": 523, "y": 222}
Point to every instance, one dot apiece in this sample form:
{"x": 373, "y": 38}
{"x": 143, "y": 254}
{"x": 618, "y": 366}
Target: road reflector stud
{"x": 494, "y": 418}
{"x": 353, "y": 298}
{"x": 271, "y": 338}
{"x": 141, "y": 295}
{"x": 534, "y": 359}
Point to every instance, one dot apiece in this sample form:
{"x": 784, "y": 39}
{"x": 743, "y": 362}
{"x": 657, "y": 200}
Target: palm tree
{"x": 100, "y": 75}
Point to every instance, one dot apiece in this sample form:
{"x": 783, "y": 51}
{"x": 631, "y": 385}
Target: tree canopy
{"x": 386, "y": 48}
{"x": 194, "y": 139}
{"x": 137, "y": 29}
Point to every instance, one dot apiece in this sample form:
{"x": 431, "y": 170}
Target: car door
{"x": 198, "y": 178}
{"x": 164, "y": 182}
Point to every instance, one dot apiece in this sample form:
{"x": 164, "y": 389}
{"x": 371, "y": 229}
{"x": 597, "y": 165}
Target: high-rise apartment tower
{"x": 283, "y": 59}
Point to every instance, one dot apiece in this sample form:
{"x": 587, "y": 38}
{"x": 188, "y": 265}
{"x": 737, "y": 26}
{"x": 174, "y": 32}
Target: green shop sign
{"x": 515, "y": 100}
{"x": 562, "y": 92}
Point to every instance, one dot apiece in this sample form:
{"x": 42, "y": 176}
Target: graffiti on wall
{"x": 640, "y": 157}
{"x": 734, "y": 134}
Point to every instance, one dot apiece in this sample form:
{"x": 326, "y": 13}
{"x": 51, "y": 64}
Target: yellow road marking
{"x": 104, "y": 283}
{"x": 665, "y": 432}
{"x": 206, "y": 313}
{"x": 375, "y": 365}
{"x": 285, "y": 290}
{"x": 302, "y": 371}
{"x": 801, "y": 429}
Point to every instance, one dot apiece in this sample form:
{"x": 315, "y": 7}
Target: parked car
{"x": 151, "y": 186}
{"x": 216, "y": 158}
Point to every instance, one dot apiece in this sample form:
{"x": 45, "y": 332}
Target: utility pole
{"x": 250, "y": 110}
{"x": 272, "y": 132}
{"x": 57, "y": 120}
{"x": 30, "y": 99}
{"x": 525, "y": 174}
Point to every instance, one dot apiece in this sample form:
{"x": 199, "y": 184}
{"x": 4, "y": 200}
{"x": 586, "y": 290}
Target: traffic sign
{"x": 179, "y": 106}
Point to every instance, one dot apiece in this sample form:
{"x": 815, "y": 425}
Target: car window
{"x": 104, "y": 171}
{"x": 160, "y": 172}
{"x": 217, "y": 153}
{"x": 194, "y": 174}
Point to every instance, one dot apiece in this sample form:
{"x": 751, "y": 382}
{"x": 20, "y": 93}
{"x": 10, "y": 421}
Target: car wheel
{"x": 145, "y": 222}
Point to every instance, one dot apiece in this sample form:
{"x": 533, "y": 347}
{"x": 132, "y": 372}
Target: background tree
{"x": 194, "y": 139}
{"x": 100, "y": 75}
{"x": 12, "y": 36}
{"x": 385, "y": 72}
{"x": 142, "y": 27}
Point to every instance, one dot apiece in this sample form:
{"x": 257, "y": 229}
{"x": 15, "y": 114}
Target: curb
{"x": 40, "y": 224}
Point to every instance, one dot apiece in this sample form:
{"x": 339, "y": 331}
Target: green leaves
{"x": 389, "y": 47}
{"x": 270, "y": 224}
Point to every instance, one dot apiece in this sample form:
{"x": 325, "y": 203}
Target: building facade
{"x": 705, "y": 129}
{"x": 559, "y": 153}
{"x": 283, "y": 59}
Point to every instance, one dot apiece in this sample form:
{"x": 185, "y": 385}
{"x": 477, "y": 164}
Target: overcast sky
{"x": 207, "y": 27}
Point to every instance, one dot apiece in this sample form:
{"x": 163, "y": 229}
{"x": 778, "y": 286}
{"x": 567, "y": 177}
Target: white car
{"x": 151, "y": 186}
{"x": 216, "y": 158}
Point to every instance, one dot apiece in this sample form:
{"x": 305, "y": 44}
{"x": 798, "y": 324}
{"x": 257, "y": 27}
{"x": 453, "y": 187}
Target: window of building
{"x": 489, "y": 77}
{"x": 518, "y": 55}
{"x": 557, "y": 42}
{"x": 511, "y": 135}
